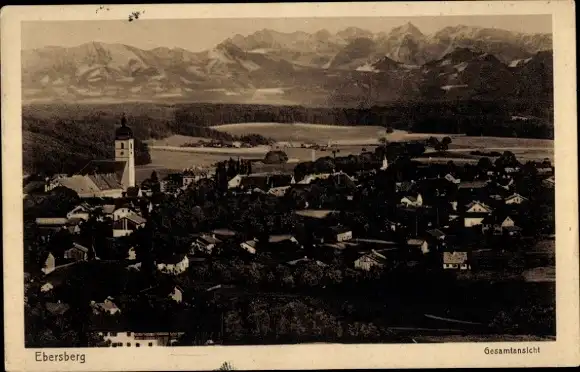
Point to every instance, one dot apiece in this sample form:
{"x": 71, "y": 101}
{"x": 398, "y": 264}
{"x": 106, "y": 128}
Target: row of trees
{"x": 475, "y": 117}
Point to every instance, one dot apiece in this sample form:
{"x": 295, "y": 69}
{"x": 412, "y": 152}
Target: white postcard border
{"x": 562, "y": 352}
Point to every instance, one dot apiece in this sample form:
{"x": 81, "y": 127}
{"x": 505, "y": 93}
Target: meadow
{"x": 307, "y": 133}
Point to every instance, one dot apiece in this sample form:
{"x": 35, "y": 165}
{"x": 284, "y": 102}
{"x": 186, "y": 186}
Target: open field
{"x": 306, "y": 133}
{"x": 174, "y": 140}
{"x": 259, "y": 151}
{"x": 499, "y": 142}
{"x": 166, "y": 154}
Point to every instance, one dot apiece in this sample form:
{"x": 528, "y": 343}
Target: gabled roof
{"x": 315, "y": 213}
{"x": 224, "y": 232}
{"x": 375, "y": 256}
{"x": 34, "y": 186}
{"x": 404, "y": 186}
{"x": 339, "y": 229}
{"x": 498, "y": 218}
{"x": 174, "y": 259}
{"x": 477, "y": 202}
{"x": 57, "y": 308}
{"x": 415, "y": 241}
{"x": 410, "y": 198}
{"x": 472, "y": 184}
{"x": 252, "y": 243}
{"x": 512, "y": 228}
{"x": 208, "y": 239}
{"x": 115, "y": 167}
{"x": 80, "y": 247}
{"x": 279, "y": 238}
{"x": 81, "y": 184}
{"x": 108, "y": 208}
{"x": 436, "y": 233}
{"x": 134, "y": 217}
{"x": 515, "y": 195}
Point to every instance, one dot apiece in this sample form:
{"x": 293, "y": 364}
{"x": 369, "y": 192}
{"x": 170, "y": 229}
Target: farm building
{"x": 456, "y": 260}
{"x": 370, "y": 260}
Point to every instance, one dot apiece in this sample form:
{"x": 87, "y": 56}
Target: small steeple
{"x": 124, "y": 132}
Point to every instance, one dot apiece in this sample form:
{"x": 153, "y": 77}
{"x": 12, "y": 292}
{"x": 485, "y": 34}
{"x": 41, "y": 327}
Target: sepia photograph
{"x": 271, "y": 180}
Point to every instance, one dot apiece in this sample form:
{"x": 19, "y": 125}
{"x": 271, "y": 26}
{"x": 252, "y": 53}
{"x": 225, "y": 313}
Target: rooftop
{"x": 472, "y": 184}
{"x": 454, "y": 257}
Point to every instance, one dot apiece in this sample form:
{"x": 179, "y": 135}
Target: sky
{"x": 202, "y": 34}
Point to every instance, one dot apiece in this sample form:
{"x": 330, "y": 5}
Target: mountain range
{"x": 351, "y": 67}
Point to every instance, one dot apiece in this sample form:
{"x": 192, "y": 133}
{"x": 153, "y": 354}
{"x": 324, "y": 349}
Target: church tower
{"x": 125, "y": 151}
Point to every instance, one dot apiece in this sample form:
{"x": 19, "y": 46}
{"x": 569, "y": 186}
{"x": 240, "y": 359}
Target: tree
{"x": 275, "y": 157}
{"x": 445, "y": 142}
{"x": 154, "y": 177}
{"x": 484, "y": 164}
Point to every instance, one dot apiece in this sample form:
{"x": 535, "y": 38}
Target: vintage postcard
{"x": 290, "y": 186}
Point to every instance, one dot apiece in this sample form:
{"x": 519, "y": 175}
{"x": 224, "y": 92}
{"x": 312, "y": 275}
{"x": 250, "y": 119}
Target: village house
{"x": 306, "y": 260}
{"x": 511, "y": 169}
{"x": 46, "y": 287}
{"x": 404, "y": 186}
{"x": 418, "y": 245}
{"x": 278, "y": 191}
{"x": 125, "y": 225}
{"x": 313, "y": 177}
{"x": 515, "y": 199}
{"x": 173, "y": 292}
{"x": 81, "y": 211}
{"x": 265, "y": 181}
{"x": 436, "y": 234}
{"x": 107, "y": 307}
{"x": 449, "y": 177}
{"x": 191, "y": 176}
{"x": 131, "y": 254}
{"x": 236, "y": 181}
{"x": 370, "y": 260}
{"x": 549, "y": 182}
{"x": 59, "y": 223}
{"x": 206, "y": 243}
{"x": 57, "y": 308}
{"x": 77, "y": 253}
{"x": 456, "y": 261}
{"x": 411, "y": 201}
{"x": 49, "y": 264}
{"x": 339, "y": 233}
{"x": 171, "y": 183}
{"x": 475, "y": 212}
{"x": 498, "y": 224}
{"x": 177, "y": 294}
{"x": 249, "y": 246}
{"x": 139, "y": 339}
{"x": 174, "y": 265}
